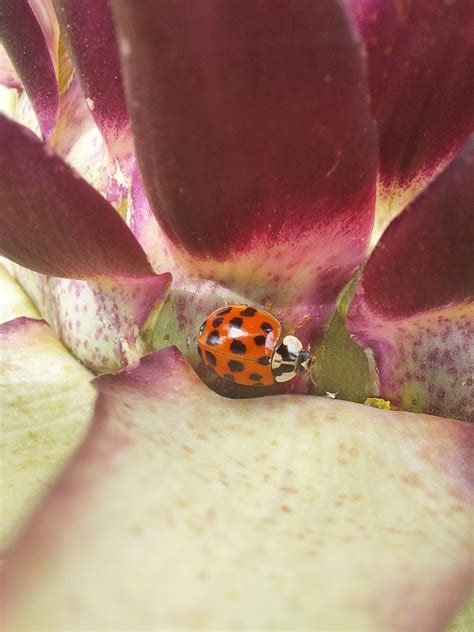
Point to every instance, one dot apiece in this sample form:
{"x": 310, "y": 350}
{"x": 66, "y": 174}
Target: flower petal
{"x": 8, "y": 76}
{"x": 79, "y": 142}
{"x": 53, "y": 222}
{"x": 98, "y": 321}
{"x": 27, "y": 48}
{"x": 255, "y": 141}
{"x": 47, "y": 401}
{"x": 464, "y": 621}
{"x": 413, "y": 307}
{"x": 90, "y": 37}
{"x": 421, "y": 72}
{"x": 46, "y": 17}
{"x": 281, "y": 513}
{"x": 13, "y": 300}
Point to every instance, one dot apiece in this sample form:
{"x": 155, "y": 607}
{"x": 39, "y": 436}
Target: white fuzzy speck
{"x": 90, "y": 103}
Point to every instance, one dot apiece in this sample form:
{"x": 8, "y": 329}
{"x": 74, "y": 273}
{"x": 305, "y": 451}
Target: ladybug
{"x": 243, "y": 344}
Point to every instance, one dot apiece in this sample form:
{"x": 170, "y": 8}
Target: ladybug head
{"x": 304, "y": 361}
{"x": 289, "y": 358}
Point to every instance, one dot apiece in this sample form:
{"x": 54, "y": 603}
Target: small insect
{"x": 243, "y": 344}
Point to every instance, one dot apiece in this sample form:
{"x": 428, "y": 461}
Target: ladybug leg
{"x": 291, "y": 332}
{"x": 311, "y": 364}
{"x": 267, "y": 306}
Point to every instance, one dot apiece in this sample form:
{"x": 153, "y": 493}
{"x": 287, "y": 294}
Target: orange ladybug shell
{"x": 237, "y": 342}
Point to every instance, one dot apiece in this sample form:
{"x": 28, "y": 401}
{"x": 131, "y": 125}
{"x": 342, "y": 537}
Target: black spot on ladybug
{"x": 199, "y": 351}
{"x": 223, "y": 311}
{"x": 236, "y": 322}
{"x": 264, "y": 360}
{"x": 213, "y": 338}
{"x": 266, "y": 327}
{"x": 255, "y": 377}
{"x": 235, "y": 366}
{"x": 201, "y": 328}
{"x": 249, "y": 311}
{"x": 286, "y": 354}
{"x": 217, "y": 321}
{"x": 238, "y": 347}
{"x": 229, "y": 376}
{"x": 211, "y": 358}
{"x": 284, "y": 368}
{"x": 259, "y": 340}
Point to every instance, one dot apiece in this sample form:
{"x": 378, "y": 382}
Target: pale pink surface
{"x": 187, "y": 510}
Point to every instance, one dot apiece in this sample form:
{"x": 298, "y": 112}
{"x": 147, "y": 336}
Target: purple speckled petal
{"x": 88, "y": 30}
{"x": 413, "y": 307}
{"x": 24, "y": 41}
{"x": 53, "y": 222}
{"x": 282, "y": 513}
{"x": 255, "y": 142}
{"x": 421, "y": 72}
{"x": 98, "y": 321}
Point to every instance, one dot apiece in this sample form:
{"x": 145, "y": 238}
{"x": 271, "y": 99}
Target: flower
{"x": 257, "y": 149}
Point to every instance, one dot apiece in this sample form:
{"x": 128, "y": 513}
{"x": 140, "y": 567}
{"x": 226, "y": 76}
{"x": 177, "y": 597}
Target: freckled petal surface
{"x": 90, "y": 36}
{"x": 47, "y": 401}
{"x": 24, "y": 41}
{"x": 421, "y": 73}
{"x": 52, "y": 221}
{"x": 98, "y": 321}
{"x": 254, "y": 140}
{"x": 414, "y": 305}
{"x": 184, "y": 510}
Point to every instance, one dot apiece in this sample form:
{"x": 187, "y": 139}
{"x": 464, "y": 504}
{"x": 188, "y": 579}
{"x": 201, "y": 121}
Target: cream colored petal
{"x": 46, "y": 403}
{"x": 13, "y": 300}
{"x": 188, "y": 511}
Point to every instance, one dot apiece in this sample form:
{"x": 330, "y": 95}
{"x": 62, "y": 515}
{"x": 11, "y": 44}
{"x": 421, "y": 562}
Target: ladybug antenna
{"x": 293, "y": 330}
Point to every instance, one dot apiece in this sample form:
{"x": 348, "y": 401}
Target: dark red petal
{"x": 421, "y": 72}
{"x": 23, "y": 39}
{"x": 413, "y": 307}
{"x": 254, "y": 138}
{"x": 89, "y": 33}
{"x": 52, "y": 221}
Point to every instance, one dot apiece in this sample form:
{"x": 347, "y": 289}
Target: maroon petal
{"x": 421, "y": 72}
{"x": 254, "y": 139}
{"x": 413, "y": 307}
{"x": 46, "y": 17}
{"x": 28, "y": 50}
{"x": 89, "y": 33}
{"x": 53, "y": 222}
